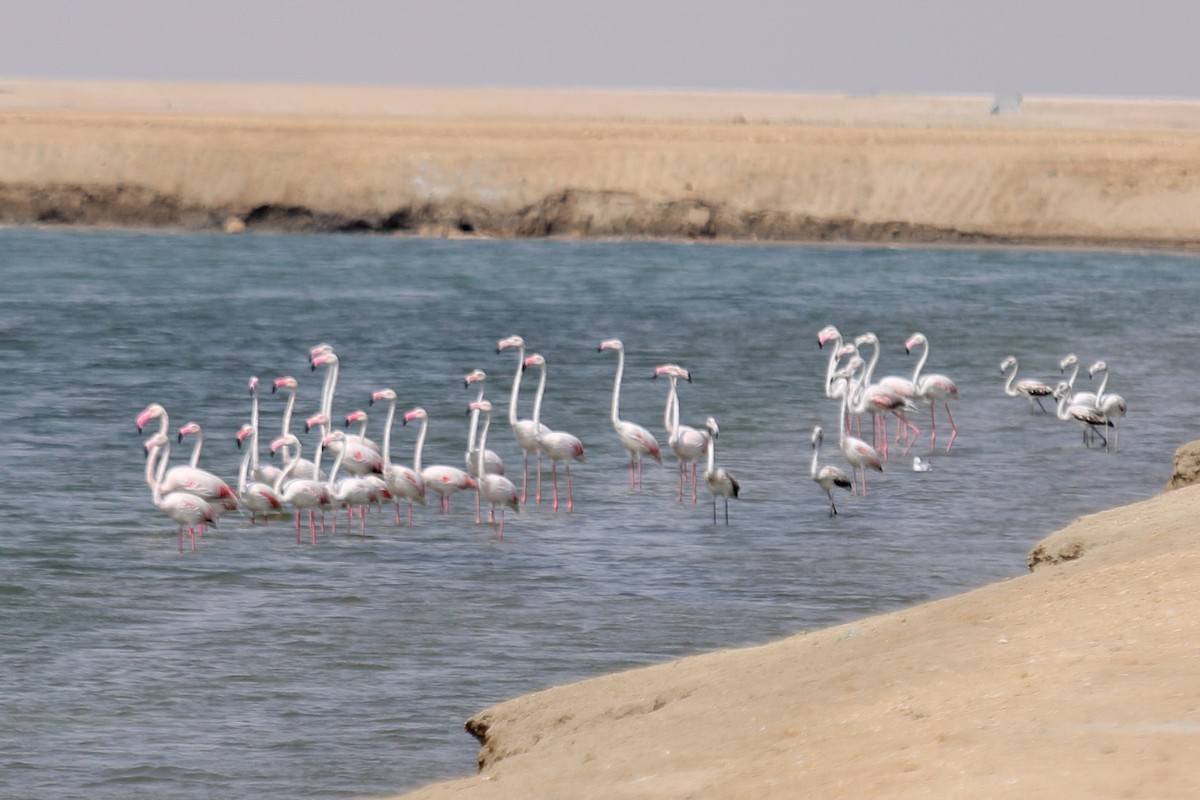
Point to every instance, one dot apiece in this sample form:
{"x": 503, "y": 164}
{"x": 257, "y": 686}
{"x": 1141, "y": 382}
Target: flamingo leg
{"x": 953, "y": 427}
{"x": 524, "y": 478}
{"x": 538, "y": 496}
{"x": 297, "y": 526}
{"x": 181, "y": 538}
{"x": 932, "y": 427}
{"x": 693, "y": 482}
{"x": 410, "y": 513}
{"x": 632, "y": 486}
{"x": 570, "y": 495}
{"x": 726, "y": 510}
{"x": 477, "y": 505}
{"x": 554, "y": 472}
{"x": 682, "y": 470}
{"x": 397, "y": 512}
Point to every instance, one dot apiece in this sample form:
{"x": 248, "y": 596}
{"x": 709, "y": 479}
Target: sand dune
{"x": 573, "y": 163}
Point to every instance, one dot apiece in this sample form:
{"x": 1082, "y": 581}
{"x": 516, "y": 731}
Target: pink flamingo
{"x": 555, "y": 445}
{"x": 200, "y": 482}
{"x": 302, "y": 494}
{"x": 858, "y": 453}
{"x": 875, "y": 400}
{"x": 183, "y": 508}
{"x": 894, "y": 386}
{"x": 497, "y": 490}
{"x": 304, "y": 469}
{"x": 352, "y": 492}
{"x": 366, "y": 451}
{"x": 361, "y": 456}
{"x": 1032, "y": 390}
{"x": 402, "y": 482}
{"x": 686, "y": 442}
{"x": 721, "y": 483}
{"x": 526, "y": 431}
{"x": 441, "y": 479}
{"x": 828, "y": 477}
{"x": 491, "y": 461}
{"x": 266, "y": 473}
{"x": 932, "y": 388}
{"x": 636, "y": 440}
{"x": 256, "y": 496}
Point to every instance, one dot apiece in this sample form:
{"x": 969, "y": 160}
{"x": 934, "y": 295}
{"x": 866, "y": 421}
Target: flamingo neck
{"x": 1008, "y": 384}
{"x": 479, "y": 459}
{"x": 420, "y": 445}
{"x": 816, "y": 457}
{"x": 1074, "y": 375}
{"x": 387, "y": 434}
{"x": 712, "y": 455}
{"x": 674, "y": 403}
{"x": 831, "y": 367}
{"x": 474, "y": 422}
{"x": 331, "y": 376}
{"x": 333, "y": 471}
{"x": 668, "y": 419}
{"x": 870, "y": 371}
{"x": 1103, "y": 386}
{"x": 154, "y": 480}
{"x": 916, "y": 378}
{"x": 516, "y": 387}
{"x": 288, "y": 468}
{"x": 537, "y": 400}
{"x": 616, "y": 398}
{"x": 244, "y": 469}
{"x": 195, "y": 460}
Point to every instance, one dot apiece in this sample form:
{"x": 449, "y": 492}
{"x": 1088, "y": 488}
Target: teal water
{"x": 257, "y": 666}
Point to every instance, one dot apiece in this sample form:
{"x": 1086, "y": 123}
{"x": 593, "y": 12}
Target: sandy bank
{"x": 642, "y": 164}
{"x": 1077, "y": 680}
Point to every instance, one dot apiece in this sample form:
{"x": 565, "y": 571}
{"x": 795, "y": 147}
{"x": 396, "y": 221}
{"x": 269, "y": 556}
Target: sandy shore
{"x": 574, "y": 163}
{"x": 1077, "y": 680}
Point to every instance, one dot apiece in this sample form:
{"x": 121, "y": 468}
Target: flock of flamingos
{"x": 362, "y": 473}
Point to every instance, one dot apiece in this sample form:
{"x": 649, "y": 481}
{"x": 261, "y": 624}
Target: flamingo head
{"x": 287, "y": 384}
{"x": 283, "y": 441}
{"x": 154, "y": 442}
{"x": 1099, "y": 366}
{"x": 314, "y": 421}
{"x": 383, "y": 395}
{"x": 253, "y": 384}
{"x": 191, "y": 427}
{"x": 244, "y": 433}
{"x": 1008, "y": 363}
{"x": 535, "y": 360}
{"x": 1068, "y": 360}
{"x": 355, "y": 416}
{"x": 324, "y": 359}
{"x": 866, "y": 338}
{"x": 480, "y": 405}
{"x": 711, "y": 425}
{"x": 416, "y": 413}
{"x": 673, "y": 371}
{"x": 475, "y": 376}
{"x": 152, "y": 411}
{"x": 1061, "y": 388}
{"x": 319, "y": 349}
{"x": 818, "y": 436}
{"x": 510, "y": 341}
{"x": 913, "y": 341}
{"x": 610, "y": 344}
{"x": 826, "y": 334}
{"x": 333, "y": 436}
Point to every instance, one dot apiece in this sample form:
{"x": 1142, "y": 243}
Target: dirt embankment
{"x": 530, "y": 164}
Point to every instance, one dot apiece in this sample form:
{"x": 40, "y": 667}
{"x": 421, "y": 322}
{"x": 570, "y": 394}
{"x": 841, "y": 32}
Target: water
{"x": 259, "y": 667}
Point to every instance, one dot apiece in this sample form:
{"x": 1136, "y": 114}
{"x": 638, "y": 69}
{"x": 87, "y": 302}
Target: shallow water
{"x": 256, "y": 666}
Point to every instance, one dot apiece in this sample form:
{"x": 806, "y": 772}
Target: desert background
{"x": 597, "y": 163}
{"x": 1077, "y": 680}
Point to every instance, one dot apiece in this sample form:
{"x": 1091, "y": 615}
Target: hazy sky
{"x": 1078, "y": 47}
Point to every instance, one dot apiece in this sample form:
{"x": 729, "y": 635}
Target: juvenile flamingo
{"x": 721, "y": 483}
{"x": 1087, "y": 416}
{"x": 497, "y": 490}
{"x": 555, "y": 445}
{"x": 828, "y": 477}
{"x": 1111, "y": 406}
{"x": 636, "y": 440}
{"x": 1029, "y": 388}
{"x": 491, "y": 461}
{"x": 526, "y": 431}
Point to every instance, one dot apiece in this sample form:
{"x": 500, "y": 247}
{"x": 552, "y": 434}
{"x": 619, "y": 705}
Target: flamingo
{"x": 302, "y": 494}
{"x": 875, "y": 400}
{"x": 198, "y": 481}
{"x": 183, "y": 508}
{"x": 721, "y": 483}
{"x": 858, "y": 453}
{"x": 1030, "y": 389}
{"x": 257, "y": 496}
{"x": 1111, "y": 406}
{"x": 304, "y": 469}
{"x": 362, "y": 457}
{"x": 932, "y": 388}
{"x": 441, "y": 479}
{"x": 491, "y": 461}
{"x": 352, "y": 492}
{"x": 526, "y": 431}
{"x": 555, "y": 445}
{"x": 1087, "y": 416}
{"x": 830, "y": 334}
{"x": 686, "y": 442}
{"x": 1087, "y": 399}
{"x": 402, "y": 482}
{"x": 263, "y": 473}
{"x": 182, "y": 478}
{"x": 896, "y": 388}
{"x": 636, "y": 440}
{"x": 497, "y": 490}
{"x": 828, "y": 477}
{"x": 365, "y": 451}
